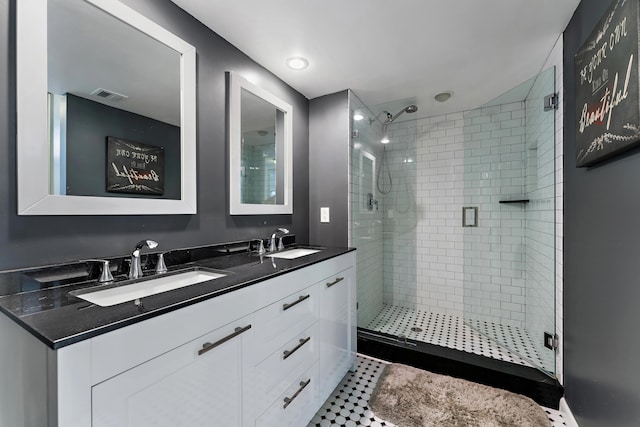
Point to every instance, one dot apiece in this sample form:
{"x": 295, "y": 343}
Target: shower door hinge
{"x": 551, "y": 341}
{"x": 551, "y": 102}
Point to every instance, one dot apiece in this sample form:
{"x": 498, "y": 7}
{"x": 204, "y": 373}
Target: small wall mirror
{"x": 260, "y": 150}
{"x": 106, "y": 112}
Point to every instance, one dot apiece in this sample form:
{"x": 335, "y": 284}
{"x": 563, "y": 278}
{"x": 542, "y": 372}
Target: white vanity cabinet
{"x": 183, "y": 368}
{"x": 191, "y": 385}
{"x": 265, "y": 355}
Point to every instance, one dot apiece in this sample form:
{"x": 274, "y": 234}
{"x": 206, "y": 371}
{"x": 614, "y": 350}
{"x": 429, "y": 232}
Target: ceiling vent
{"x": 108, "y": 94}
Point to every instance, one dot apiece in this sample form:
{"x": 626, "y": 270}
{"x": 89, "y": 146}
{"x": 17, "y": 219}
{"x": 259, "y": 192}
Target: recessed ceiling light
{"x": 443, "y": 96}
{"x": 385, "y": 140}
{"x": 297, "y": 63}
{"x": 358, "y": 117}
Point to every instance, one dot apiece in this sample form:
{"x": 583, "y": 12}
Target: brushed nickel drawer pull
{"x": 338, "y": 280}
{"x": 302, "y": 342}
{"x": 298, "y": 301}
{"x": 288, "y": 400}
{"x": 209, "y": 346}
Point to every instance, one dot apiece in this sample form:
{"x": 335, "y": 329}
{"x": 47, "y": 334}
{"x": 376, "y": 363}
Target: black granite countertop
{"x": 38, "y": 299}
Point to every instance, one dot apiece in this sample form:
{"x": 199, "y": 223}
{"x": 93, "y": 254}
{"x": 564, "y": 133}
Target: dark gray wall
{"x": 329, "y": 138}
{"x": 27, "y": 241}
{"x": 88, "y": 125}
{"x": 601, "y": 266}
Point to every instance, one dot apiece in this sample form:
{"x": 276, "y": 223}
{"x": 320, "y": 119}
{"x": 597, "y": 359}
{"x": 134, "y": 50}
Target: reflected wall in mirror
{"x": 260, "y": 148}
{"x": 93, "y": 69}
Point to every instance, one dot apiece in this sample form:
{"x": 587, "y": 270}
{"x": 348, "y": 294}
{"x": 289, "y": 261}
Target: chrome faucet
{"x": 135, "y": 269}
{"x": 272, "y": 241}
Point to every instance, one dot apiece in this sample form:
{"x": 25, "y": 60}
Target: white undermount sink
{"x": 294, "y": 253}
{"x": 145, "y": 288}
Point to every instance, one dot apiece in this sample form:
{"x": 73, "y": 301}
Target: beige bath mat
{"x": 410, "y": 397}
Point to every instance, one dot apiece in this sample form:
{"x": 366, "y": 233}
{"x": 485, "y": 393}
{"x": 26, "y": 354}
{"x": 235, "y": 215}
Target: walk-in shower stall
{"x": 454, "y": 221}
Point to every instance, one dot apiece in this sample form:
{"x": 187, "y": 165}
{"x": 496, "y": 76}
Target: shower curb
{"x": 528, "y": 381}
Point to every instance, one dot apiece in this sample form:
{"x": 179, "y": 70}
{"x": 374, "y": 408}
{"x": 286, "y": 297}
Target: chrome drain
{"x": 416, "y": 329}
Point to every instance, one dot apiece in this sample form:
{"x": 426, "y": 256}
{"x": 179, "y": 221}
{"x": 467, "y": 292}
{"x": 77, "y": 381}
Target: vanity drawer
{"x": 279, "y": 323}
{"x": 124, "y": 348}
{"x": 274, "y": 374}
{"x": 297, "y": 405}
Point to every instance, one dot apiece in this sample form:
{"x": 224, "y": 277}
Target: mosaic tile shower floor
{"x": 452, "y": 332}
{"x": 348, "y": 405}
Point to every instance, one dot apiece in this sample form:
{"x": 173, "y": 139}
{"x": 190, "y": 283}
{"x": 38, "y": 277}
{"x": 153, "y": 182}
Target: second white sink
{"x": 119, "y": 294}
{"x": 293, "y": 253}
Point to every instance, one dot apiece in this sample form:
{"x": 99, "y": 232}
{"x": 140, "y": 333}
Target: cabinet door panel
{"x": 179, "y": 388}
{"x": 336, "y": 355}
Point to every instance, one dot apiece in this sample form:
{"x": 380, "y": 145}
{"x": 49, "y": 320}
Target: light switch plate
{"x": 324, "y": 215}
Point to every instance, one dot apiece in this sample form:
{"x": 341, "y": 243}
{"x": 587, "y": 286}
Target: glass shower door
{"x": 509, "y": 221}
{"x": 383, "y": 222}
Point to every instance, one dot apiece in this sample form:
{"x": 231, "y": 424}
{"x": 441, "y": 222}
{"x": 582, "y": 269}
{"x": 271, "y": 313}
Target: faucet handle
{"x": 260, "y": 248}
{"x": 105, "y": 273}
{"x": 161, "y": 267}
{"x": 280, "y": 243}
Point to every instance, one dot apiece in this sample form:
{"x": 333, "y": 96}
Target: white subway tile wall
{"x": 494, "y": 163}
{"x": 422, "y": 249}
{"x": 462, "y": 159}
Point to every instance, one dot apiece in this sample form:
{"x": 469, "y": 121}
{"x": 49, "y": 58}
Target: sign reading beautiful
{"x": 607, "y": 97}
{"x": 133, "y": 167}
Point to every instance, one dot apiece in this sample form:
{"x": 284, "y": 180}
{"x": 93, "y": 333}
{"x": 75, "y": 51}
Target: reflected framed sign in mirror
{"x": 260, "y": 150}
{"x": 89, "y": 69}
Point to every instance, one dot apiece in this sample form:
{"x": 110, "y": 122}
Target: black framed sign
{"x": 606, "y": 76}
{"x": 133, "y": 167}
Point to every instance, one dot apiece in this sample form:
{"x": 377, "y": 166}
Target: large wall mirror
{"x": 260, "y": 150}
{"x": 106, "y": 105}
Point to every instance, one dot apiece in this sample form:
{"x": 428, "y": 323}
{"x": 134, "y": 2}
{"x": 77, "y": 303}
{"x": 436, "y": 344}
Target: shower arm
{"x": 391, "y": 118}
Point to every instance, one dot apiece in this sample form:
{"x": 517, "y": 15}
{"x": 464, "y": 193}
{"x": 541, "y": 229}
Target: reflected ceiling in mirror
{"x": 142, "y": 74}
{"x": 90, "y": 70}
{"x": 260, "y": 147}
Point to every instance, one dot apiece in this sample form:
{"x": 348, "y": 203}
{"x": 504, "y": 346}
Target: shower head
{"x": 408, "y": 109}
{"x": 391, "y": 118}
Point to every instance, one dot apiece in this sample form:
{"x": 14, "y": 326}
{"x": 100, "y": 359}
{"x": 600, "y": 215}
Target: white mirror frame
{"x": 236, "y": 207}
{"x": 33, "y": 147}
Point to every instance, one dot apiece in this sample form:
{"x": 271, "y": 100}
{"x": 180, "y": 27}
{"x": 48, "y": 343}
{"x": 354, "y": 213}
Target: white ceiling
{"x": 394, "y": 50}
